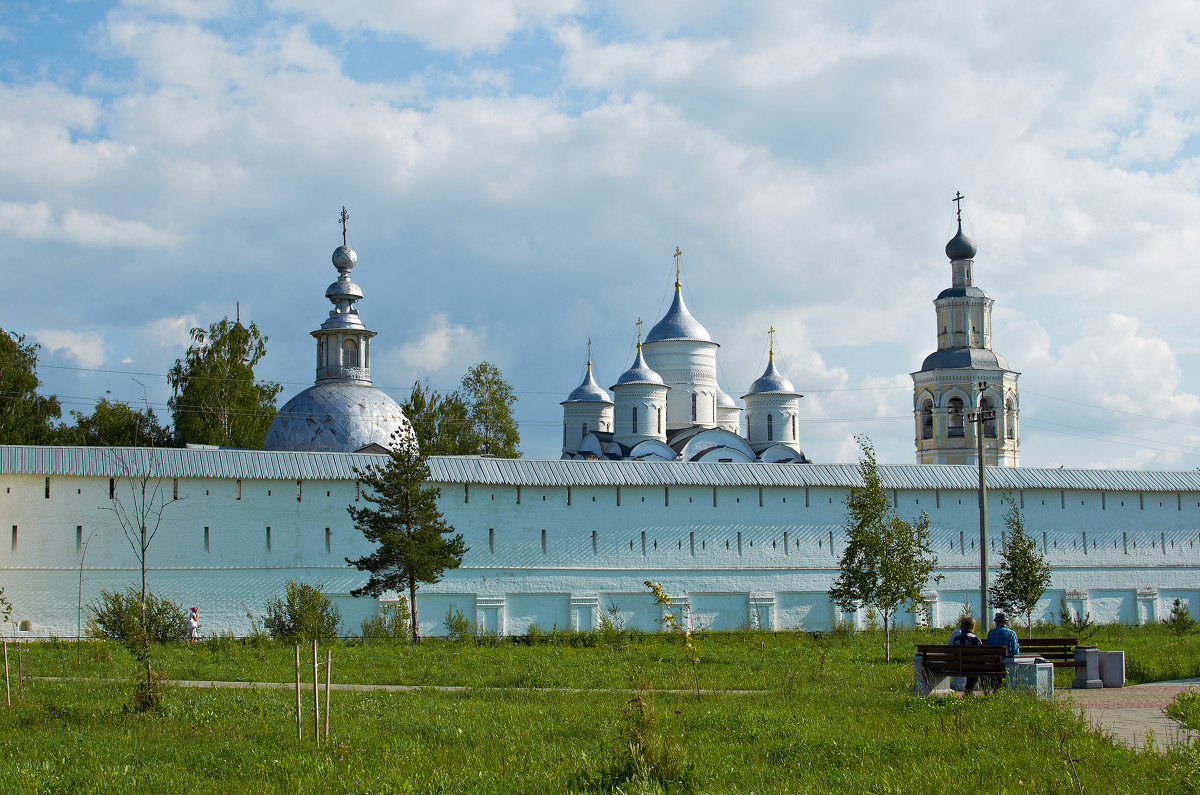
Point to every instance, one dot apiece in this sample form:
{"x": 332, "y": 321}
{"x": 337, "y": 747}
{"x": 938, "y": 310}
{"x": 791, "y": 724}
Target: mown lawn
{"x": 829, "y": 716}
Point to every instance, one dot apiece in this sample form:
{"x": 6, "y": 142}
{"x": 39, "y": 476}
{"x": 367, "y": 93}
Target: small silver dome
{"x": 588, "y": 392}
{"x": 639, "y": 373}
{"x": 344, "y": 258}
{"x": 725, "y": 400}
{"x": 960, "y": 246}
{"x": 771, "y": 381}
{"x": 678, "y": 324}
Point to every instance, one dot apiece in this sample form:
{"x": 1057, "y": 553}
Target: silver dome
{"x": 964, "y": 358}
{"x": 344, "y": 258}
{"x": 725, "y": 400}
{"x": 639, "y": 373}
{"x": 336, "y": 418}
{"x": 588, "y": 392}
{"x": 678, "y": 324}
{"x": 771, "y": 381}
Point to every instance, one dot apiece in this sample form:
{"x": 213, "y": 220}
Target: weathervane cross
{"x": 344, "y": 217}
{"x": 958, "y": 197}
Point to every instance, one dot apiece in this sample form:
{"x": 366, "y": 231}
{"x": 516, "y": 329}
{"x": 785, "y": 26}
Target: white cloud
{"x": 187, "y": 9}
{"x": 169, "y": 332}
{"x": 444, "y": 348}
{"x": 80, "y": 227}
{"x": 85, "y": 347}
{"x": 463, "y": 25}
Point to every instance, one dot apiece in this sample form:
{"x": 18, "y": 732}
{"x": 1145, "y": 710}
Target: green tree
{"x": 490, "y": 399}
{"x": 415, "y": 543}
{"x": 216, "y": 399}
{"x": 304, "y": 612}
{"x": 440, "y": 421}
{"x": 25, "y": 416}
{"x": 115, "y": 424}
{"x": 887, "y": 561}
{"x": 1024, "y": 573}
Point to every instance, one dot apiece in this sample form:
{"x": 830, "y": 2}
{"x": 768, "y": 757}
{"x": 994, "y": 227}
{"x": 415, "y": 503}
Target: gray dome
{"x": 344, "y": 258}
{"x": 771, "y": 381}
{"x": 960, "y": 246}
{"x": 678, "y": 324}
{"x": 336, "y": 418}
{"x": 588, "y": 392}
{"x": 725, "y": 400}
{"x": 964, "y": 358}
{"x": 639, "y": 373}
{"x": 963, "y": 292}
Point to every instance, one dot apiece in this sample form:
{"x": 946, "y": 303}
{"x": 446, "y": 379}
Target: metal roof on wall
{"x": 273, "y": 465}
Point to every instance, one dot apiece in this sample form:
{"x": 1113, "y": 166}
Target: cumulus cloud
{"x": 461, "y": 25}
{"x": 444, "y": 349}
{"x": 169, "y": 332}
{"x": 80, "y": 227}
{"x": 86, "y": 348}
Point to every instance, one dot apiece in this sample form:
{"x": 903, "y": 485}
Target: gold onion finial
{"x": 678, "y": 253}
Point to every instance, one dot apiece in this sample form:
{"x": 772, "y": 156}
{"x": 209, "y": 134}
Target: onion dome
{"x": 589, "y": 391}
{"x": 639, "y": 373}
{"x": 960, "y": 246}
{"x": 678, "y": 324}
{"x": 771, "y": 381}
{"x": 725, "y": 400}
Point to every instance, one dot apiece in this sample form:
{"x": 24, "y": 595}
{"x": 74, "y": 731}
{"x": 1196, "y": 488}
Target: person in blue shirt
{"x": 1001, "y": 635}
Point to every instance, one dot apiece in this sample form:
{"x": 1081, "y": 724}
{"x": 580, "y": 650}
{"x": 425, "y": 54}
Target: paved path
{"x": 1129, "y": 714}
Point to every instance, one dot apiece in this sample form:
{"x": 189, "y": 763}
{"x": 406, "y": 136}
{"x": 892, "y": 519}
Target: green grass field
{"x": 825, "y": 715}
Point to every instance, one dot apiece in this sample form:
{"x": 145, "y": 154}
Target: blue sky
{"x": 519, "y": 172}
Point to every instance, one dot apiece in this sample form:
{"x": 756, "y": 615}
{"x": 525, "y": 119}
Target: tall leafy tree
{"x": 490, "y": 399}
{"x": 440, "y": 421}
{"x": 216, "y": 399}
{"x": 1024, "y": 573}
{"x": 25, "y": 416}
{"x": 887, "y": 560}
{"x": 415, "y": 543}
{"x": 115, "y": 424}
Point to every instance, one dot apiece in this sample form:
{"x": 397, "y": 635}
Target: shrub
{"x": 303, "y": 614}
{"x": 118, "y": 616}
{"x": 1186, "y": 708}
{"x": 391, "y": 621}
{"x": 458, "y": 626}
{"x": 1180, "y": 620}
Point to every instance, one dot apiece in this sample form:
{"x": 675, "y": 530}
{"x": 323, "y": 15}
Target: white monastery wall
{"x": 556, "y": 556}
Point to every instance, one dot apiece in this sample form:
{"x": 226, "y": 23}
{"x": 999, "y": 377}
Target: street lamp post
{"x": 979, "y": 417}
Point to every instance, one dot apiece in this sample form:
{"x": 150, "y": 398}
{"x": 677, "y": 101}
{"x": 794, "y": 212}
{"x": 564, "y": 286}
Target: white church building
{"x": 655, "y": 482}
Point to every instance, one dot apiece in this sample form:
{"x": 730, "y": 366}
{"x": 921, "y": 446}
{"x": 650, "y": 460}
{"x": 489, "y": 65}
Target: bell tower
{"x": 964, "y": 373}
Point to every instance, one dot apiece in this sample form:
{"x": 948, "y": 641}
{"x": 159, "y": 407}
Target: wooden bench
{"x": 939, "y": 662}
{"x": 1060, "y": 651}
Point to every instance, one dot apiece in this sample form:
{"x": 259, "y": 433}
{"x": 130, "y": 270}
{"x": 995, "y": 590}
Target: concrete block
{"x": 1088, "y": 677}
{"x": 926, "y": 684}
{"x": 1032, "y": 675}
{"x": 1112, "y": 668}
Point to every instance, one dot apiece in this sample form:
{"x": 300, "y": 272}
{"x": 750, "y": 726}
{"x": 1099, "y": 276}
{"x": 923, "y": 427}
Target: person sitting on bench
{"x": 1001, "y": 635}
{"x": 965, "y": 636}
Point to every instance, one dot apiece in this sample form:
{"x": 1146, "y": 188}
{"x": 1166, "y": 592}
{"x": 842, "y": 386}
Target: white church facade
{"x": 655, "y": 482}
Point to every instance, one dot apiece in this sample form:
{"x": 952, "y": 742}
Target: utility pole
{"x": 979, "y": 417}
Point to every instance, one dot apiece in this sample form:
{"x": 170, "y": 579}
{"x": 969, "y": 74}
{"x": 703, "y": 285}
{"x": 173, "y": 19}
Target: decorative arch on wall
{"x": 349, "y": 353}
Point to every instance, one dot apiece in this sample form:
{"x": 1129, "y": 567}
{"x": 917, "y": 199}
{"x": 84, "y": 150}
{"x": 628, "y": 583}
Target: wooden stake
{"x": 328, "y": 676}
{"x": 299, "y": 731}
{"x": 316, "y": 698}
{"x": 7, "y": 692}
{"x": 20, "y": 670}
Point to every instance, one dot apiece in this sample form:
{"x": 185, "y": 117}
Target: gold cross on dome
{"x": 344, "y": 217}
{"x": 639, "y": 326}
{"x": 589, "y": 354}
{"x": 771, "y": 338}
{"x": 678, "y": 253}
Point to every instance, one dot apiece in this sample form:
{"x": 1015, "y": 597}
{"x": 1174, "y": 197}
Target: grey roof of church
{"x": 960, "y": 358}
{"x": 678, "y": 324}
{"x": 262, "y": 464}
{"x": 963, "y": 292}
{"x": 588, "y": 391}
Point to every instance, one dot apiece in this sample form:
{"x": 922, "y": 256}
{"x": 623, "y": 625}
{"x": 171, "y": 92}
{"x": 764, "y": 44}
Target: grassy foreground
{"x": 828, "y": 715}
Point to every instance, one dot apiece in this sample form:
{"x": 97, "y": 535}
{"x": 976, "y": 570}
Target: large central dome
{"x": 342, "y": 413}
